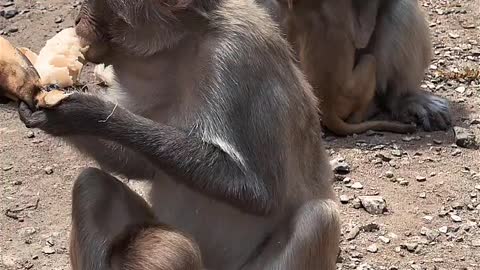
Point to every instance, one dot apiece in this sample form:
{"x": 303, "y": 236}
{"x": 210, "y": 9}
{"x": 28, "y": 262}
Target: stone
{"x": 48, "y": 250}
{"x": 443, "y": 229}
{"x": 357, "y": 185}
{"x": 396, "y": 153}
{"x": 28, "y": 231}
{"x": 389, "y": 174}
{"x": 372, "y": 248}
{"x": 353, "y": 233}
{"x": 421, "y": 178}
{"x": 344, "y": 199}
{"x": 58, "y": 20}
{"x": 384, "y": 239}
{"x": 375, "y": 205}
{"x": 456, "y": 218}
{"x": 340, "y": 166}
{"x": 48, "y": 170}
{"x": 411, "y": 247}
{"x": 9, "y": 12}
{"x": 476, "y": 243}
{"x": 465, "y": 138}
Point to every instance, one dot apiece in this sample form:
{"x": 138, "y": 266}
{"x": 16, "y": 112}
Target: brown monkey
{"x": 114, "y": 228}
{"x": 209, "y": 105}
{"x": 402, "y": 49}
{"x": 326, "y": 34}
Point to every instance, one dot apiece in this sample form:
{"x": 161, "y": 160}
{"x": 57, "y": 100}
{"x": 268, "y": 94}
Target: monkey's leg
{"x": 362, "y": 86}
{"x": 311, "y": 244}
{"x": 111, "y": 224}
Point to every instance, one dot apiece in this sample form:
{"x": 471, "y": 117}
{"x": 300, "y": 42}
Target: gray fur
{"x": 226, "y": 127}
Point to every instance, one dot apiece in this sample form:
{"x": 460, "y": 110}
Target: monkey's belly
{"x": 226, "y": 236}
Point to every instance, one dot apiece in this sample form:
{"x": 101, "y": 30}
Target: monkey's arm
{"x": 203, "y": 166}
{"x": 114, "y": 157}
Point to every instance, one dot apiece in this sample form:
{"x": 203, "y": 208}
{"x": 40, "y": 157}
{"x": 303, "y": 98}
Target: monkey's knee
{"x": 156, "y": 247}
{"x": 316, "y": 235}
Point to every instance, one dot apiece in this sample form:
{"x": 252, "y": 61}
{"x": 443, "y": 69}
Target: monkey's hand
{"x": 77, "y": 114}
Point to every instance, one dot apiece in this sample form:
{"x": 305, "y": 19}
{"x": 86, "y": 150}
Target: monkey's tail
{"x": 338, "y": 126}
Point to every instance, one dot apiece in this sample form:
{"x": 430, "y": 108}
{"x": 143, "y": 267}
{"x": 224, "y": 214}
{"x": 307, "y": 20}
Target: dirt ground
{"x": 431, "y": 186}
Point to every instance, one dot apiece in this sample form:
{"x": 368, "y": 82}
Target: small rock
{"x": 477, "y": 187}
{"x": 402, "y": 182}
{"x": 356, "y": 203}
{"x": 456, "y": 218}
{"x": 422, "y": 195}
{"x": 456, "y": 152}
{"x": 9, "y": 12}
{"x": 460, "y": 89}
{"x": 389, "y": 174}
{"x": 421, "y": 178}
{"x": 384, "y": 239}
{"x": 353, "y": 233}
{"x": 383, "y": 157}
{"x": 372, "y": 248}
{"x": 411, "y": 247}
{"x": 30, "y": 135}
{"x": 17, "y": 183}
{"x": 48, "y": 250}
{"x": 7, "y": 168}
{"x": 58, "y": 20}
{"x": 28, "y": 231}
{"x": 357, "y": 185}
{"x": 476, "y": 243}
{"x": 465, "y": 138}
{"x": 396, "y": 153}
{"x": 428, "y": 218}
{"x": 373, "y": 204}
{"x": 443, "y": 229}
{"x": 344, "y": 199}
{"x": 48, "y": 170}
{"x": 457, "y": 206}
{"x": 12, "y": 29}
{"x": 340, "y": 166}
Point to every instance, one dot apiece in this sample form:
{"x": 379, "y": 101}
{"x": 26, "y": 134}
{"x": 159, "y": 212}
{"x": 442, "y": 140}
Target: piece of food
{"x": 50, "y": 99}
{"x": 104, "y": 74}
{"x": 19, "y": 79}
{"x": 60, "y": 61}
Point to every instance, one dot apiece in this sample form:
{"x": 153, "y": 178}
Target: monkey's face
{"x": 114, "y": 28}
{"x": 91, "y": 26}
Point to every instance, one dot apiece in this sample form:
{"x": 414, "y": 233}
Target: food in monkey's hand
{"x": 24, "y": 74}
{"x": 61, "y": 60}
{"x": 50, "y": 99}
{"x": 19, "y": 80}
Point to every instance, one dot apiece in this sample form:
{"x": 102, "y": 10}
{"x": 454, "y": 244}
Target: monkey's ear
{"x": 365, "y": 17}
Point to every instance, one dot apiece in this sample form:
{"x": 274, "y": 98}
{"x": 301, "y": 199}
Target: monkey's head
{"x": 137, "y": 27}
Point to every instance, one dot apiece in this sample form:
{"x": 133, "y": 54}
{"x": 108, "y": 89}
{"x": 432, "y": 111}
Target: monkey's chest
{"x": 226, "y": 236}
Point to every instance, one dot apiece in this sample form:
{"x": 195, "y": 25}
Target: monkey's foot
{"x": 428, "y": 111}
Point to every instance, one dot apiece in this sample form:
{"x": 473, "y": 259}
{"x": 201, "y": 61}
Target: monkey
{"x": 329, "y": 32}
{"x": 402, "y": 47}
{"x": 209, "y": 106}
{"x": 127, "y": 236}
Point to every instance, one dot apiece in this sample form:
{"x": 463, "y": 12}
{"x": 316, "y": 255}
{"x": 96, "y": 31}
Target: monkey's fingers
{"x": 50, "y": 99}
{"x": 30, "y": 118}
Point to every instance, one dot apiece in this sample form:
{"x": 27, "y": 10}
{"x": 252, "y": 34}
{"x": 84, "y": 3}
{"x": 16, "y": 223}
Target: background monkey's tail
{"x": 338, "y": 126}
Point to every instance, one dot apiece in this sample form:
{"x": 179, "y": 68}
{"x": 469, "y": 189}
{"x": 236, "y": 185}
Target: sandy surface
{"x": 430, "y": 224}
